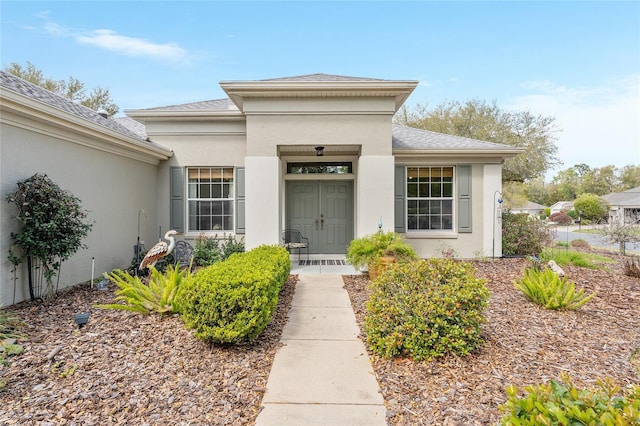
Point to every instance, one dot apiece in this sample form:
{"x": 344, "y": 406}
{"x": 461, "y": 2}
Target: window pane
{"x": 424, "y": 190}
{"x": 447, "y": 189}
{"x": 424, "y": 207}
{"x": 412, "y": 189}
{"x": 447, "y": 207}
{"x": 436, "y": 190}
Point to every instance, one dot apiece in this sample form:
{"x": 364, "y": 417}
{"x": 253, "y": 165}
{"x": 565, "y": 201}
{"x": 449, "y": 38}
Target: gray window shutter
{"x": 463, "y": 176}
{"x": 240, "y": 217}
{"x": 176, "y": 212}
{"x": 399, "y": 200}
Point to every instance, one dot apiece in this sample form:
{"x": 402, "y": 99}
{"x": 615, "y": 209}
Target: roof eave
{"x": 121, "y": 143}
{"x": 145, "y": 116}
{"x": 238, "y": 90}
{"x": 448, "y": 152}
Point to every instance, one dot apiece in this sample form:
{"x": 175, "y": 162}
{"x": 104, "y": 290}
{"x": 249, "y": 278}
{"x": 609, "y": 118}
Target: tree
{"x": 486, "y": 121}
{"x": 591, "y": 206}
{"x": 629, "y": 177}
{"x": 618, "y": 231}
{"x": 53, "y": 226}
{"x": 74, "y": 89}
{"x": 599, "y": 181}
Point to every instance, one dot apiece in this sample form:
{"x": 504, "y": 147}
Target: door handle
{"x": 322, "y": 222}
{"x": 316, "y": 224}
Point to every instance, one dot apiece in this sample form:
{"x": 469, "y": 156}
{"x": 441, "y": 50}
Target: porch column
{"x": 262, "y": 190}
{"x": 375, "y": 189}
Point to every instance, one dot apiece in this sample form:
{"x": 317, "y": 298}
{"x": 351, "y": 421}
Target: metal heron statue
{"x": 159, "y": 250}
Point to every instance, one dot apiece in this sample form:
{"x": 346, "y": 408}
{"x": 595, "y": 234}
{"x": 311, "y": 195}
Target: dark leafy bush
{"x": 209, "y": 250}
{"x": 562, "y": 403}
{"x": 234, "y": 300}
{"x": 426, "y": 309}
{"x": 523, "y": 235}
{"x": 561, "y": 218}
{"x": 53, "y": 226}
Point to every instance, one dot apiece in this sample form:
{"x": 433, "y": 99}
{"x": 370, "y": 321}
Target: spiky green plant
{"x": 158, "y": 296}
{"x": 547, "y": 289}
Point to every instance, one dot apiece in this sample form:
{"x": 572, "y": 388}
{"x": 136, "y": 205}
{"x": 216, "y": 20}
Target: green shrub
{"x": 160, "y": 295}
{"x": 547, "y": 289}
{"x": 426, "y": 309}
{"x": 209, "y": 250}
{"x": 234, "y": 300}
{"x": 523, "y": 235}
{"x": 562, "y": 403}
{"x": 366, "y": 250}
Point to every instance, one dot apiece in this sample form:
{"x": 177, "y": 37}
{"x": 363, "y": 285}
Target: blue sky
{"x": 576, "y": 61}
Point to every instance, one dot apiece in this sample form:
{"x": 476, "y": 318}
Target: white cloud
{"x": 129, "y": 46}
{"x": 599, "y": 125}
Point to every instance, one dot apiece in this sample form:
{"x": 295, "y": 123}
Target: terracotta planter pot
{"x": 376, "y": 268}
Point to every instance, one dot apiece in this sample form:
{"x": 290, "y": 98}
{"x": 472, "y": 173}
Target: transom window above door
{"x": 210, "y": 198}
{"x": 337, "y": 168}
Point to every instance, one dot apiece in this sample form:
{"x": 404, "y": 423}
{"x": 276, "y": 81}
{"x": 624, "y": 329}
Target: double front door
{"x": 323, "y": 212}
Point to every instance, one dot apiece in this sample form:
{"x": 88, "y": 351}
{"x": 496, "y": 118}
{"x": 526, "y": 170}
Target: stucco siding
{"x": 111, "y": 187}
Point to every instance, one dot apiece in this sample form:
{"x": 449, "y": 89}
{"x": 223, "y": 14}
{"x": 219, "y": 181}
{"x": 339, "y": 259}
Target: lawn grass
{"x": 565, "y": 257}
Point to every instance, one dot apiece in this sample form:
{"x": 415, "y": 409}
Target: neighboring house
{"x": 317, "y": 153}
{"x": 529, "y": 207}
{"x": 624, "y": 205}
{"x": 561, "y": 206}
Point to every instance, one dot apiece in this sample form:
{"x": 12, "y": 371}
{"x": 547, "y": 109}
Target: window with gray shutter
{"x": 400, "y": 199}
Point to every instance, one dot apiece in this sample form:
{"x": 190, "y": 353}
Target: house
{"x": 561, "y": 206}
{"x": 624, "y": 205}
{"x": 529, "y": 207}
{"x": 318, "y": 153}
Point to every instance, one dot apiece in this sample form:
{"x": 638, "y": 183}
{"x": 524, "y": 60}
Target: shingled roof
{"x": 628, "y": 198}
{"x": 15, "y": 84}
{"x": 404, "y": 137}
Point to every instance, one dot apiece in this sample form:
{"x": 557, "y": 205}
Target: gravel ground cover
{"x": 126, "y": 368}
{"x": 525, "y": 345}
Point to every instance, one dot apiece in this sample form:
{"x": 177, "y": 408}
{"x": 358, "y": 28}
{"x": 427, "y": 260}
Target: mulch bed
{"x": 525, "y": 345}
{"x": 127, "y": 368}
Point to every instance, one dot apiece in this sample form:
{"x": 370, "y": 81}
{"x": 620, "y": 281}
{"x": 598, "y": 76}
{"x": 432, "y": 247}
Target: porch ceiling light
{"x": 319, "y": 151}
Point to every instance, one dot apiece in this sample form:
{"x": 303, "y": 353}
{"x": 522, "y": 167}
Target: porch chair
{"x": 292, "y": 239}
{"x": 183, "y": 253}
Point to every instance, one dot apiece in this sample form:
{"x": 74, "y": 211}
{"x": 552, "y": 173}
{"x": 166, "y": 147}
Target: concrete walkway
{"x": 321, "y": 375}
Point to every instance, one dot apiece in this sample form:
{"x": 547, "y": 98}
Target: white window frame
{"x": 194, "y": 189}
{"x": 442, "y": 215}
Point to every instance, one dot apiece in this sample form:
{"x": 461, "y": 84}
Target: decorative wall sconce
{"x": 319, "y": 151}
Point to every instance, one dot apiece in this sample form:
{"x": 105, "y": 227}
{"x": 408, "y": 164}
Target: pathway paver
{"x": 322, "y": 374}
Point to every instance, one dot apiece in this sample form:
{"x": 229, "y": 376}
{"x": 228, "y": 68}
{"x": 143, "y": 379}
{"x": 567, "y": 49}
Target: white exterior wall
{"x": 375, "y": 194}
{"x": 111, "y": 187}
{"x": 262, "y": 189}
